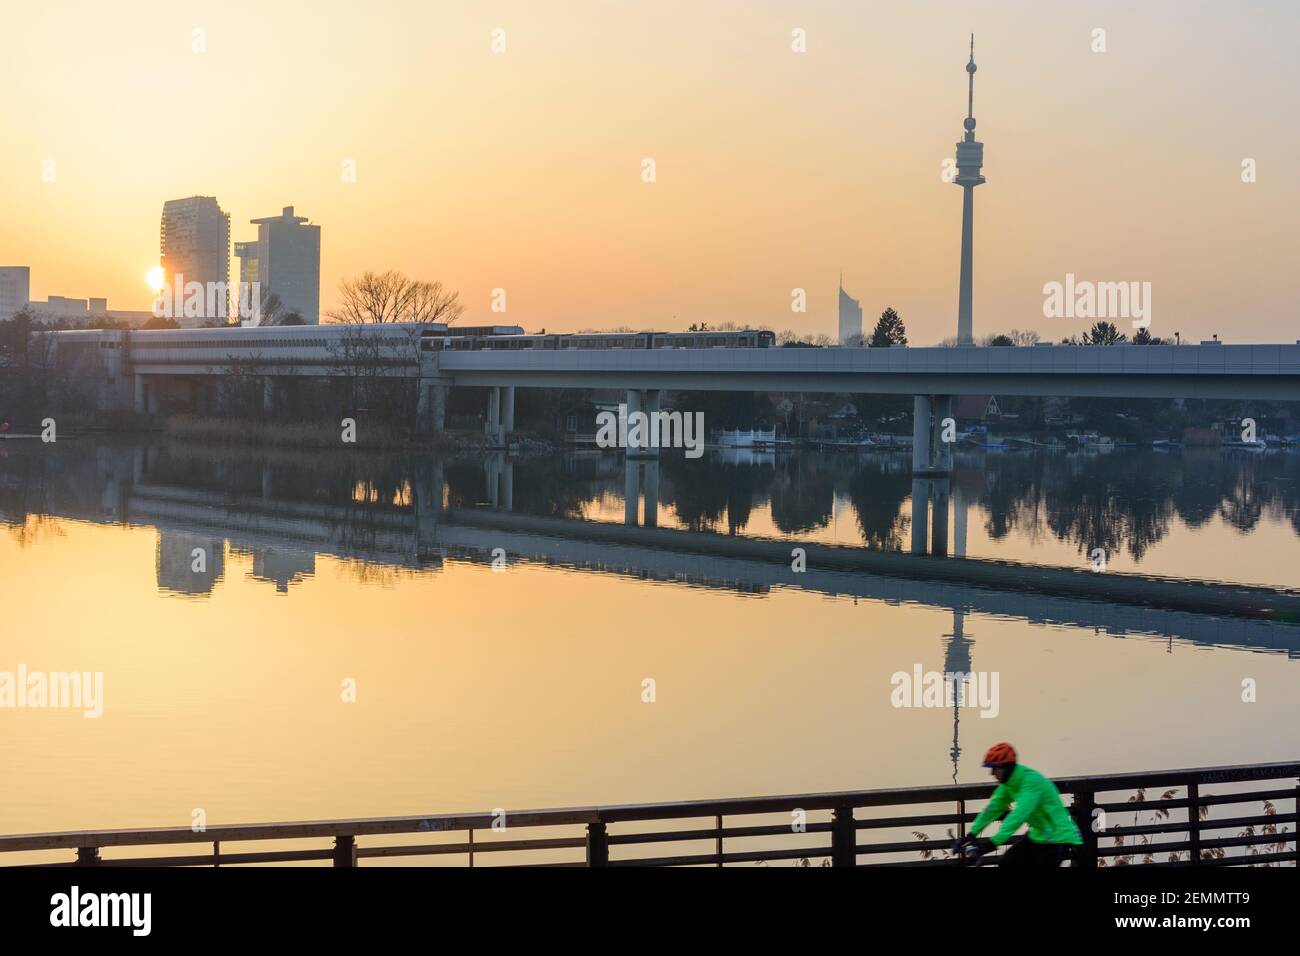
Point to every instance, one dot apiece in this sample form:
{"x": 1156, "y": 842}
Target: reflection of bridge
{"x": 286, "y": 534}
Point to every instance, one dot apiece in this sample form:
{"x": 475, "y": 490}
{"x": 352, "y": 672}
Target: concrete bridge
{"x": 124, "y": 370}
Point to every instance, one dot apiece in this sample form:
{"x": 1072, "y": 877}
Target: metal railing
{"x": 1200, "y": 817}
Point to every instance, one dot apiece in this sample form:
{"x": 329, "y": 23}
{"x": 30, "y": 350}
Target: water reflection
{"x": 392, "y": 515}
{"x": 397, "y": 546}
{"x": 1123, "y": 504}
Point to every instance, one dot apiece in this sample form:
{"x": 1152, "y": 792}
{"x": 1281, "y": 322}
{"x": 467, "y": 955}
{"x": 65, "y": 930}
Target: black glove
{"x": 983, "y": 845}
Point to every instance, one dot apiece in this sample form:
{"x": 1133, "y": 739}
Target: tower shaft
{"x": 970, "y": 162}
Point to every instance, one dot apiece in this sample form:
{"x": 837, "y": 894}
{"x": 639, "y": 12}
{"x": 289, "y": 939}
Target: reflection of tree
{"x": 542, "y": 487}
{"x": 1242, "y": 508}
{"x": 1128, "y": 500}
{"x": 878, "y": 499}
{"x": 1197, "y": 498}
{"x": 698, "y": 492}
{"x": 803, "y": 494}
{"x": 1123, "y": 501}
{"x": 1012, "y": 496}
{"x": 741, "y": 488}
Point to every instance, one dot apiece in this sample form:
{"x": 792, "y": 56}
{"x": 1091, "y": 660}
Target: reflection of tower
{"x": 189, "y": 563}
{"x": 970, "y": 158}
{"x": 956, "y": 660}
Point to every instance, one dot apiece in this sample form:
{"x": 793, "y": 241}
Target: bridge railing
{"x": 1238, "y": 815}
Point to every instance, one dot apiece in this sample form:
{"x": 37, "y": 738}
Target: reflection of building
{"x": 287, "y": 262}
{"x": 283, "y": 567}
{"x": 15, "y": 289}
{"x": 850, "y": 316}
{"x": 195, "y": 247}
{"x": 189, "y": 563}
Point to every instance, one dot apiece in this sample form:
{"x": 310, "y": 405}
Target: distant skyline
{"x": 522, "y": 170}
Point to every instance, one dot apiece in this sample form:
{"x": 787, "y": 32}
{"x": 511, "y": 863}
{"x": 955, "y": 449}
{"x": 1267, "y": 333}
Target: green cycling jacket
{"x": 1037, "y": 802}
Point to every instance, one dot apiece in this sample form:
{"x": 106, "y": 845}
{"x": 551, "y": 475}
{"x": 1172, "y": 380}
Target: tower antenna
{"x": 970, "y": 93}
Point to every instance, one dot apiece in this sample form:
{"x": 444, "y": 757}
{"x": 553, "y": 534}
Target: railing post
{"x": 1081, "y": 809}
{"x": 345, "y": 851}
{"x": 1194, "y": 821}
{"x": 844, "y": 838}
{"x": 88, "y": 856}
{"x": 597, "y": 844}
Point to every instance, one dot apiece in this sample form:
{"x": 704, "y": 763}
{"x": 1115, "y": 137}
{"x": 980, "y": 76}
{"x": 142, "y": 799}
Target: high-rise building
{"x": 288, "y": 264}
{"x": 246, "y": 253}
{"x": 15, "y": 290}
{"x": 850, "y": 316}
{"x": 195, "y": 246}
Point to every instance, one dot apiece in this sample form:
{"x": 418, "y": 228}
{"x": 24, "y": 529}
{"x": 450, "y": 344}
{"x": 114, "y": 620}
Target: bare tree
{"x": 270, "y": 306}
{"x": 381, "y": 297}
{"x": 430, "y": 302}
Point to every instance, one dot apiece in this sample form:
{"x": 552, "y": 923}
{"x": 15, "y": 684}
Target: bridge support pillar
{"x": 920, "y": 514}
{"x": 508, "y": 408}
{"x": 431, "y": 409}
{"x": 428, "y": 507}
{"x": 638, "y": 443}
{"x": 942, "y": 449}
{"x": 921, "y": 415}
{"x": 958, "y": 521}
{"x": 631, "y": 491}
{"x": 439, "y": 407}
{"x": 650, "y": 405}
{"x": 146, "y": 396}
{"x": 494, "y": 417}
{"x": 939, "y": 519}
{"x": 492, "y": 478}
{"x": 270, "y": 391}
{"x": 651, "y": 495}
{"x": 508, "y": 485}
{"x": 423, "y": 406}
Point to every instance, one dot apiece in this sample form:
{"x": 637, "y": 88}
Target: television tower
{"x": 970, "y": 157}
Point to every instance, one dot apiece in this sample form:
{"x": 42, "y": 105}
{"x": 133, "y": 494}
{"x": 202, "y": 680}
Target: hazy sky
{"x": 522, "y": 170}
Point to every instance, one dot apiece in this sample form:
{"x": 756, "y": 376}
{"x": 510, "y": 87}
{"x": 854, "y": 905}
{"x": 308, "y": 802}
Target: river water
{"x": 290, "y": 635}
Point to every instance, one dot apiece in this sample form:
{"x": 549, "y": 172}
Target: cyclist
{"x": 1035, "y": 801}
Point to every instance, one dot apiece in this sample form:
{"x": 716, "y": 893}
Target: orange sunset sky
{"x": 521, "y": 169}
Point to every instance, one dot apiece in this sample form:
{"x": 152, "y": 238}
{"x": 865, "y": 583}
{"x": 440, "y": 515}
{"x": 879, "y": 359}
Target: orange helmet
{"x": 999, "y": 754}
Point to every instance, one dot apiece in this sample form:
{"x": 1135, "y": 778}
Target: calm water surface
{"x": 522, "y": 685}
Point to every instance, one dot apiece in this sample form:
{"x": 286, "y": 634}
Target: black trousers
{"x": 1025, "y": 854}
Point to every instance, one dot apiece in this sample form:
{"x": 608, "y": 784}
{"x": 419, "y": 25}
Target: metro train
{"x": 433, "y": 341}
